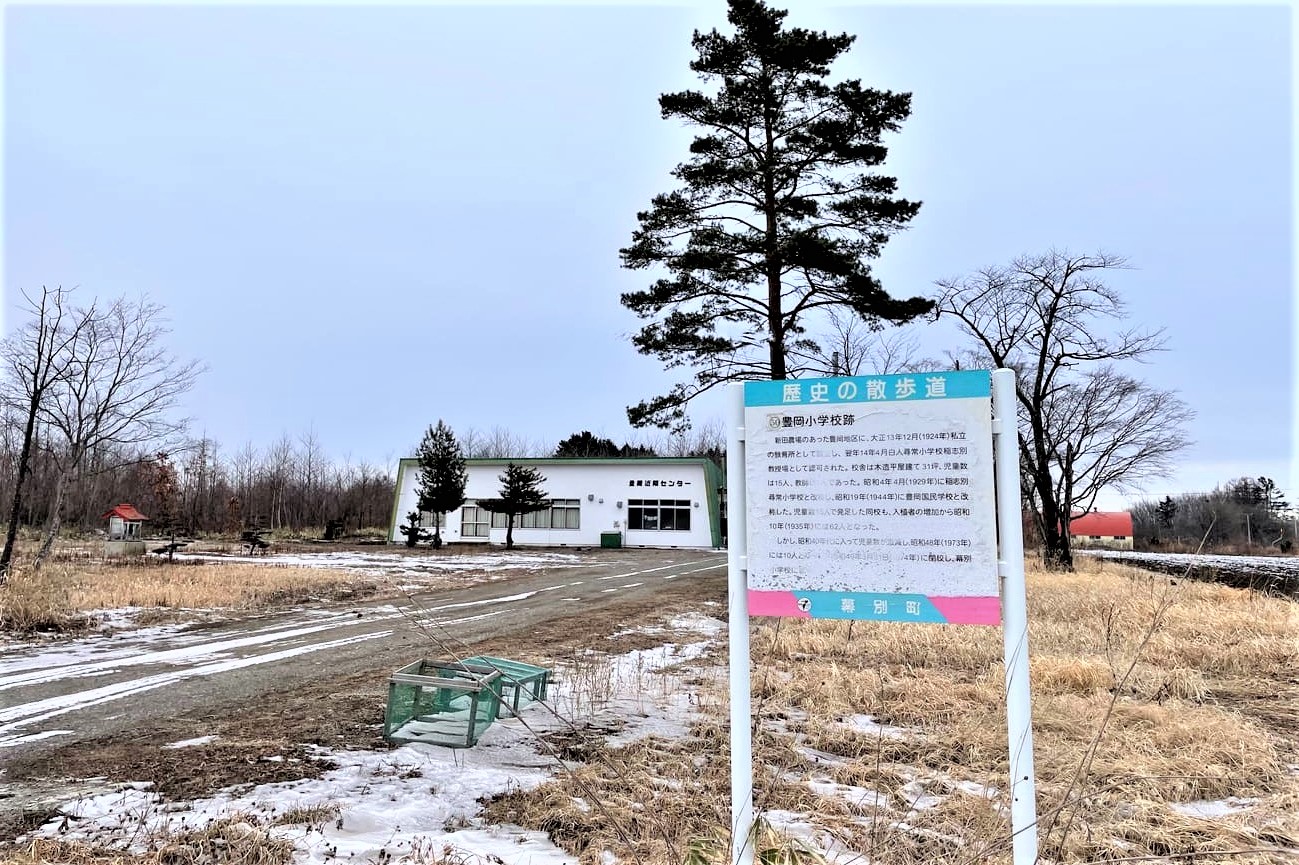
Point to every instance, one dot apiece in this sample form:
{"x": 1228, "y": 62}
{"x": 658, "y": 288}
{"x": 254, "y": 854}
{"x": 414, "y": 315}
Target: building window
{"x": 566, "y": 514}
{"x": 562, "y": 514}
{"x": 1095, "y": 537}
{"x": 474, "y": 522}
{"x": 426, "y": 520}
{"x": 1120, "y": 537}
{"x": 667, "y": 515}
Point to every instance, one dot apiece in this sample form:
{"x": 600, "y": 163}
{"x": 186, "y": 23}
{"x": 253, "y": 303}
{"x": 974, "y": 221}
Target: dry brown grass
{"x": 54, "y": 597}
{"x": 1147, "y": 692}
{"x": 29, "y": 604}
{"x": 238, "y": 839}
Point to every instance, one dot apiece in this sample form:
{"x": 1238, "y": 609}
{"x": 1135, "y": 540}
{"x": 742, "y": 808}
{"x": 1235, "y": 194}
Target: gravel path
{"x": 55, "y": 695}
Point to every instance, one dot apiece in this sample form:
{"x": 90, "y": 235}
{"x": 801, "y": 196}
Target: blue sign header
{"x": 906, "y": 387}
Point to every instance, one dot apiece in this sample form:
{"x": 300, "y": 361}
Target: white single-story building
{"x": 635, "y": 502}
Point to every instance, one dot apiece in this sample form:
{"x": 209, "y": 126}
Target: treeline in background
{"x": 291, "y": 486}
{"x": 1244, "y": 515}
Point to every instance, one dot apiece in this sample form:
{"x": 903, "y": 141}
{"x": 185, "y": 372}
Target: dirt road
{"x": 64, "y": 706}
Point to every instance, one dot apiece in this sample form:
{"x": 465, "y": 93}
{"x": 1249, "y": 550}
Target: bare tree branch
{"x": 1084, "y": 425}
{"x": 117, "y": 389}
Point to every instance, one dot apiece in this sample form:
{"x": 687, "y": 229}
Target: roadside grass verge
{"x": 58, "y": 597}
{"x": 237, "y": 838}
{"x": 1147, "y": 699}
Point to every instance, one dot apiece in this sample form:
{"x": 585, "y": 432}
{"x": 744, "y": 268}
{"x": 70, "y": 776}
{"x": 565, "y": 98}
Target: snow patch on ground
{"x": 398, "y": 564}
{"x": 1246, "y": 564}
{"x": 806, "y": 834}
{"x": 414, "y": 799}
{"x": 861, "y": 798}
{"x": 189, "y": 743}
{"x": 867, "y": 724}
{"x": 418, "y": 799}
{"x": 15, "y": 741}
{"x": 1214, "y": 809}
{"x": 825, "y": 758}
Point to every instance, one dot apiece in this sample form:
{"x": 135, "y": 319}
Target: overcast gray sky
{"x": 367, "y": 219}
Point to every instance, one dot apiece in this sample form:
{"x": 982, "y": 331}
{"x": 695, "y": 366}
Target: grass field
{"x": 1148, "y": 695}
{"x": 1165, "y": 712}
{"x": 57, "y": 597}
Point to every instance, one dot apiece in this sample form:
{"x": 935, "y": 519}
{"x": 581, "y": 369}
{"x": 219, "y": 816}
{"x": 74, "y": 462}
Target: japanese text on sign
{"x": 890, "y": 496}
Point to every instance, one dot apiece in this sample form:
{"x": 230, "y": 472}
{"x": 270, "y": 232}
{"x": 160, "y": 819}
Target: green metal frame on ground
{"x": 442, "y": 703}
{"x": 519, "y": 685}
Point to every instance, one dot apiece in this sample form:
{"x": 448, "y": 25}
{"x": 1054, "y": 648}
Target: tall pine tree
{"x": 777, "y": 215}
{"x": 1167, "y": 510}
{"x": 442, "y": 476}
{"x": 520, "y": 494}
{"x": 1272, "y": 496}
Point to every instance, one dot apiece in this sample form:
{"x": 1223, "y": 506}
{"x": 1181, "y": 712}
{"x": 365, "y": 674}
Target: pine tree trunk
{"x": 509, "y": 532}
{"x": 56, "y": 521}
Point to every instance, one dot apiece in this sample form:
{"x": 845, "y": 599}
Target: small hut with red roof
{"x": 125, "y": 535}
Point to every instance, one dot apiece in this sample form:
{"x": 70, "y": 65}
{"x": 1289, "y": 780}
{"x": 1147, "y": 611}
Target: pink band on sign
{"x": 775, "y": 604}
{"x": 968, "y": 611}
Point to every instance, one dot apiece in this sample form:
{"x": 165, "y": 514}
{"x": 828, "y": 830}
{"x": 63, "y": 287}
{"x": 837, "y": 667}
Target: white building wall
{"x": 602, "y": 491}
{"x": 1105, "y": 542}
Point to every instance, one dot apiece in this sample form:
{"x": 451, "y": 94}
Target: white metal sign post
{"x": 878, "y": 498}
{"x": 738, "y": 633}
{"x": 1014, "y": 621}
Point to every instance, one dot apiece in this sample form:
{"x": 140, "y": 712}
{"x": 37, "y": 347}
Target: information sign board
{"x": 872, "y": 497}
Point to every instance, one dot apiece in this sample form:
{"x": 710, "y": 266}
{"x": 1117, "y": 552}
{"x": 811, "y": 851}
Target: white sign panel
{"x": 872, "y": 498}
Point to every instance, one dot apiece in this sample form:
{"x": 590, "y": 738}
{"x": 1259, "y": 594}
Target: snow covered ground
{"x": 1256, "y": 566}
{"x": 395, "y": 564}
{"x": 417, "y": 800}
{"x": 424, "y": 803}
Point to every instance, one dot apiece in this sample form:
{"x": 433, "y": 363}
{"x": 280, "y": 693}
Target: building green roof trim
{"x": 712, "y": 482}
{"x": 402, "y": 465}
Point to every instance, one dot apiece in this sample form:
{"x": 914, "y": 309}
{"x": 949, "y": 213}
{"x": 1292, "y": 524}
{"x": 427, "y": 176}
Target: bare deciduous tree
{"x": 1083, "y": 425}
{"x": 118, "y": 388}
{"x": 1110, "y": 430}
{"x": 278, "y": 471}
{"x": 856, "y": 347}
{"x": 498, "y": 443}
{"x": 35, "y": 358}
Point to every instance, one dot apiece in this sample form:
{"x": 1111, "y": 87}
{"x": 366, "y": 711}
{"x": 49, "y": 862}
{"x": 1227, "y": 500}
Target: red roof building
{"x": 1112, "y": 529}
{"x": 126, "y": 512}
{"x": 124, "y": 530}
